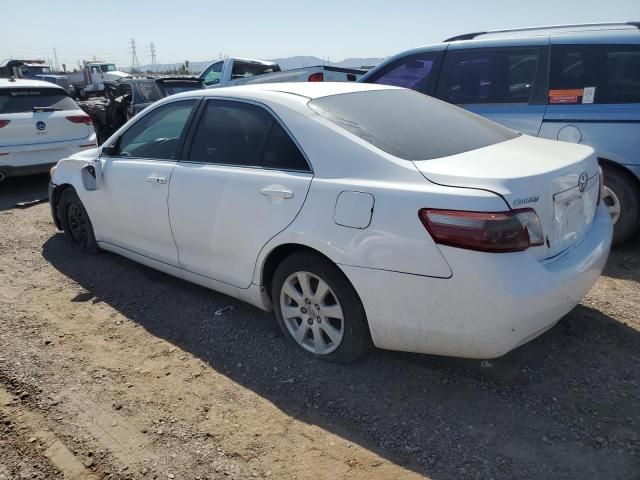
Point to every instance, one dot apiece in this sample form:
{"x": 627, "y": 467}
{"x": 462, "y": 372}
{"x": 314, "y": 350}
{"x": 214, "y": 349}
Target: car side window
{"x": 594, "y": 74}
{"x": 243, "y": 134}
{"x": 491, "y": 76}
{"x": 157, "y": 134}
{"x": 414, "y": 72}
{"x": 213, "y": 74}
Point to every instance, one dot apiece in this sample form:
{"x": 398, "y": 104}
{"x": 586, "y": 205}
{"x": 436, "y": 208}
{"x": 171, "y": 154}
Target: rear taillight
{"x": 600, "y": 184}
{"x": 86, "y": 119}
{"x": 4, "y": 123}
{"x": 511, "y": 231}
{"x": 316, "y": 77}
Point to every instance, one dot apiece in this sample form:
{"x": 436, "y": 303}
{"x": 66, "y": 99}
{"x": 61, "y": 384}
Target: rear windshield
{"x": 171, "y": 88}
{"x": 149, "y": 92}
{"x": 410, "y": 125}
{"x": 18, "y": 100}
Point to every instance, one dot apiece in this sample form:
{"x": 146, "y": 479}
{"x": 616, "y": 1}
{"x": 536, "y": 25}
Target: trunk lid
{"x": 29, "y": 127}
{"x": 558, "y": 180}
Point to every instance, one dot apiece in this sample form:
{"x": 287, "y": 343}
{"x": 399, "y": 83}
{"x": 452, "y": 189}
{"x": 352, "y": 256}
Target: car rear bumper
{"x": 492, "y": 303}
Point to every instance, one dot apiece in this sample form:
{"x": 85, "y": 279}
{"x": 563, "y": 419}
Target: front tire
{"x": 319, "y": 310}
{"x": 76, "y": 225}
{"x": 622, "y": 198}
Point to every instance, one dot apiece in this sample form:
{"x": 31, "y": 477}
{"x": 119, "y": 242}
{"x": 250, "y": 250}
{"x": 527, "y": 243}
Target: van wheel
{"x": 77, "y": 228}
{"x": 318, "y": 309}
{"x": 622, "y": 198}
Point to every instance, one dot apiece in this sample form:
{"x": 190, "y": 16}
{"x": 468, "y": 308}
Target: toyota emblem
{"x": 41, "y": 125}
{"x": 583, "y": 180}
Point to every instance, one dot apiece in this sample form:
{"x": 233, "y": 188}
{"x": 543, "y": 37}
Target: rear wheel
{"x": 621, "y": 196}
{"x": 78, "y": 231}
{"x": 318, "y": 309}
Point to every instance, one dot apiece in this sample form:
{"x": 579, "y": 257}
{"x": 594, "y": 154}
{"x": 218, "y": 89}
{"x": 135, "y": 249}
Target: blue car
{"x": 575, "y": 83}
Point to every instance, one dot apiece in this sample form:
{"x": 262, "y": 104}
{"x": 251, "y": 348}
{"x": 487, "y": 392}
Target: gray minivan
{"x": 575, "y": 83}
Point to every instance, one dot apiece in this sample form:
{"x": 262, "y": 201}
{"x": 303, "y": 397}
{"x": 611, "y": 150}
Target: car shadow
{"x": 624, "y": 261}
{"x": 22, "y": 189}
{"x": 563, "y": 406}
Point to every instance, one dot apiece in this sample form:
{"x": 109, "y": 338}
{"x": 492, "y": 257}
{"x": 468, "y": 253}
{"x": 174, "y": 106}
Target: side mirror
{"x": 92, "y": 176}
{"x": 110, "y": 151}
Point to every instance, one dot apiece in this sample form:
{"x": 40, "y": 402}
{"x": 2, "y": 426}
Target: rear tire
{"x": 76, "y": 225}
{"x": 325, "y": 318}
{"x": 622, "y": 198}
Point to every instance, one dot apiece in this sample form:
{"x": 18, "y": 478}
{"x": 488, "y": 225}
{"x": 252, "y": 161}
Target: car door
{"x": 131, "y": 205}
{"x": 243, "y": 180}
{"x": 504, "y": 84}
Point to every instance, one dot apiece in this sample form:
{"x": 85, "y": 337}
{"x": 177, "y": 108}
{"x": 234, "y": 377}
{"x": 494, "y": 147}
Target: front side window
{"x": 495, "y": 76}
{"x": 594, "y": 74}
{"x": 409, "y": 125}
{"x": 414, "y": 72}
{"x": 212, "y": 75}
{"x": 242, "y": 134}
{"x": 20, "y": 100}
{"x": 157, "y": 134}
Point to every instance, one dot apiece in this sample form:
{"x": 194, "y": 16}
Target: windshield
{"x": 171, "y": 88}
{"x": 39, "y": 70}
{"x": 18, "y": 100}
{"x": 109, "y": 67}
{"x": 410, "y": 125}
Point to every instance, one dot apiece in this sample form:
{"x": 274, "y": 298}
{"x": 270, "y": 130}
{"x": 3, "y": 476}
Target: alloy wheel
{"x": 312, "y": 313}
{"x": 612, "y": 202}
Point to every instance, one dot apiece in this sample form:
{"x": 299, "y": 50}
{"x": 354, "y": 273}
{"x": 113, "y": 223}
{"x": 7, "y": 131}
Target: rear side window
{"x": 415, "y": 72}
{"x": 20, "y": 100}
{"x": 594, "y": 74}
{"x": 410, "y": 125}
{"x": 248, "y": 69}
{"x": 491, "y": 76}
{"x": 242, "y": 134}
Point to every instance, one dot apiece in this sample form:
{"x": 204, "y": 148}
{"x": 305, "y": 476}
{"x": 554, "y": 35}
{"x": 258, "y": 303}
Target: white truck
{"x": 242, "y": 71}
{"x": 90, "y": 80}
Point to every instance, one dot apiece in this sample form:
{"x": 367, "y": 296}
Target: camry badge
{"x": 583, "y": 180}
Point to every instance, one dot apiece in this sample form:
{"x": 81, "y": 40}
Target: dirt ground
{"x": 109, "y": 369}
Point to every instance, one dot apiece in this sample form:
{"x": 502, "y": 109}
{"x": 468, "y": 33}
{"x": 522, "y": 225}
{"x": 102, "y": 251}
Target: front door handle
{"x": 276, "y": 192}
{"x": 154, "y": 179}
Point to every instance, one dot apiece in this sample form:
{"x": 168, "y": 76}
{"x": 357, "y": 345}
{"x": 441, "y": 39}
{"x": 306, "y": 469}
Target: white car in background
{"x": 362, "y": 214}
{"x": 39, "y": 125}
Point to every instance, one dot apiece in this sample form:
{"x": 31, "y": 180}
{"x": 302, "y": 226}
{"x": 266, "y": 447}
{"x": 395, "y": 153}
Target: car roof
{"x": 21, "y": 82}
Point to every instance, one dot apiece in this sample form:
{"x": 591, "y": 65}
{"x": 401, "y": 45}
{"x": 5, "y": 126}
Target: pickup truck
{"x": 243, "y": 71}
{"x": 90, "y": 80}
{"x": 33, "y": 70}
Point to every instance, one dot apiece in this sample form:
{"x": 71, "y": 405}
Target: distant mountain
{"x": 286, "y": 63}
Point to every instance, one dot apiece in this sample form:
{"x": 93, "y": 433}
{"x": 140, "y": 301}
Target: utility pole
{"x": 56, "y": 65}
{"x": 135, "y": 64}
{"x": 154, "y": 59}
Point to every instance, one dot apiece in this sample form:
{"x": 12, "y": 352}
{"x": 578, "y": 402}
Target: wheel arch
{"x": 606, "y": 163}
{"x": 55, "y": 199}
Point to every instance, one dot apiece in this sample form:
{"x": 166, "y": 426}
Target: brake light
{"x": 600, "y": 184}
{"x": 86, "y": 119}
{"x": 511, "y": 231}
{"x": 4, "y": 123}
{"x": 316, "y": 77}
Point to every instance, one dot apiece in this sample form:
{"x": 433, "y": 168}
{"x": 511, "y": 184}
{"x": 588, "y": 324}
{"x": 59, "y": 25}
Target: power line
{"x": 154, "y": 59}
{"x": 135, "y": 64}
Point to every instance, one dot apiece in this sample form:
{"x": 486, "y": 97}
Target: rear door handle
{"x": 154, "y": 179}
{"x": 276, "y": 192}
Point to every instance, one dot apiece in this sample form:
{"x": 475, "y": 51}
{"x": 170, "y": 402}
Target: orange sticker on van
{"x": 565, "y": 96}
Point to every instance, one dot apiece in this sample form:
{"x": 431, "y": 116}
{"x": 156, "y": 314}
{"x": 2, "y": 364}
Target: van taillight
{"x": 86, "y": 119}
{"x": 316, "y": 77}
{"x": 4, "y": 123}
{"x": 510, "y": 231}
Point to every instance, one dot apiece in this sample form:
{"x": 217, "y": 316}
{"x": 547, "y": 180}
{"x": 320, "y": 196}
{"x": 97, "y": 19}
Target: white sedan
{"x": 361, "y": 214}
{"x": 39, "y": 124}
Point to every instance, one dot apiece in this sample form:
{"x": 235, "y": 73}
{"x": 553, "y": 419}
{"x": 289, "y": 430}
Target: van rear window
{"x": 410, "y": 125}
{"x": 24, "y": 99}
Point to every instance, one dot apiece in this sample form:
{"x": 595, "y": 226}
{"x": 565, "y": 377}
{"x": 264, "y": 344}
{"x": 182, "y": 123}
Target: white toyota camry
{"x": 361, "y": 214}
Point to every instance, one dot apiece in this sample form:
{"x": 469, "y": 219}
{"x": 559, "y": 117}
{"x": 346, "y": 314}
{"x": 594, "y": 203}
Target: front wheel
{"x": 77, "y": 228}
{"x": 318, "y": 309}
{"x": 621, "y": 196}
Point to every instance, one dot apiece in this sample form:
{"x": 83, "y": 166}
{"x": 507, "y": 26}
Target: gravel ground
{"x": 109, "y": 369}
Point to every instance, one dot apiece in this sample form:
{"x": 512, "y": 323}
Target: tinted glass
{"x": 230, "y": 133}
{"x": 157, "y": 134}
{"x": 16, "y": 100}
{"x": 245, "y": 69}
{"x": 497, "y": 76}
{"x": 171, "y": 87}
{"x": 410, "y": 72}
{"x": 213, "y": 74}
{"x": 149, "y": 92}
{"x": 236, "y": 133}
{"x": 410, "y": 125}
{"x": 606, "y": 73}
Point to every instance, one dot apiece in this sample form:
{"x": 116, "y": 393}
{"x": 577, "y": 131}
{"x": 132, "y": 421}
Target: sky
{"x": 199, "y": 30}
